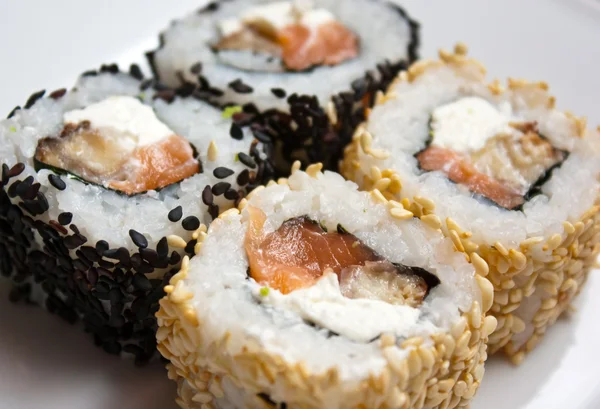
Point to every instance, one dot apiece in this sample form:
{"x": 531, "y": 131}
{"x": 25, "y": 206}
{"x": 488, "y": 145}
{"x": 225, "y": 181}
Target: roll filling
{"x": 300, "y": 252}
{"x": 488, "y": 150}
{"x": 120, "y": 144}
{"x": 295, "y": 33}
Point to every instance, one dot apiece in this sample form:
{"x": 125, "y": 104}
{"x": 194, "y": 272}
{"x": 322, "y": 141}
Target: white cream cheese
{"x": 315, "y": 18}
{"x": 357, "y": 319}
{"x": 124, "y": 119}
{"x": 466, "y": 125}
{"x": 273, "y": 17}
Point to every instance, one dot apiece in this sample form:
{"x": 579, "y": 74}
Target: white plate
{"x": 45, "y": 44}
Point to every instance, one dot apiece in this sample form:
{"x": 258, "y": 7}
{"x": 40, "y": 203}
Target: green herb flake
{"x": 12, "y": 129}
{"x": 236, "y": 158}
{"x": 142, "y": 96}
{"x": 264, "y": 291}
{"x": 231, "y": 111}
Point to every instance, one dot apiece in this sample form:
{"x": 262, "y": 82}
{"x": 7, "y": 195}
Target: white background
{"x": 45, "y": 44}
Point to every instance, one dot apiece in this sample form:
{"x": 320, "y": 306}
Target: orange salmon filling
{"x": 299, "y": 46}
{"x": 297, "y": 254}
{"x": 85, "y": 153}
{"x": 460, "y": 170}
{"x": 330, "y": 45}
{"x": 159, "y": 165}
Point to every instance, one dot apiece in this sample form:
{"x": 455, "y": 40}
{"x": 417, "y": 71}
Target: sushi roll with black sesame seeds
{"x": 311, "y": 67}
{"x": 325, "y": 300}
{"x": 511, "y": 179}
{"x": 105, "y": 188}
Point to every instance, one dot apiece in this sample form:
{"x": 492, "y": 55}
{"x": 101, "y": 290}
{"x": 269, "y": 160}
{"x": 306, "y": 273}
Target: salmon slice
{"x": 159, "y": 165}
{"x": 296, "y": 255}
{"x": 303, "y": 48}
{"x": 460, "y": 170}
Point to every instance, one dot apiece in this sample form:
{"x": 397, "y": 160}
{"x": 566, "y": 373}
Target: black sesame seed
{"x": 220, "y": 188}
{"x": 111, "y": 68}
{"x": 250, "y": 108}
{"x": 222, "y": 172}
{"x": 74, "y": 241}
{"x": 136, "y": 260}
{"x": 236, "y": 131}
{"x": 57, "y": 226}
{"x": 90, "y": 253}
{"x": 93, "y": 276}
{"x": 105, "y": 264}
{"x": 213, "y": 210}
{"x": 31, "y": 192}
{"x": 74, "y": 229}
{"x": 5, "y": 170}
{"x": 89, "y": 73}
{"x": 42, "y": 202}
{"x": 162, "y": 248}
{"x": 149, "y": 255}
{"x": 175, "y": 214}
{"x": 65, "y": 218}
{"x": 243, "y": 178}
{"x": 13, "y": 112}
{"x": 189, "y": 248}
{"x": 231, "y": 194}
{"x": 59, "y": 93}
{"x": 101, "y": 246}
{"x": 239, "y": 87}
{"x": 138, "y": 239}
{"x": 191, "y": 223}
{"x": 261, "y": 136}
{"x": 246, "y": 160}
{"x": 196, "y": 68}
{"x": 112, "y": 254}
{"x": 140, "y": 282}
{"x": 33, "y": 98}
{"x": 175, "y": 258}
{"x": 136, "y": 72}
{"x": 80, "y": 265}
{"x": 145, "y": 268}
{"x": 203, "y": 82}
{"x": 57, "y": 182}
{"x": 279, "y": 92}
{"x": 207, "y": 195}
{"x": 123, "y": 254}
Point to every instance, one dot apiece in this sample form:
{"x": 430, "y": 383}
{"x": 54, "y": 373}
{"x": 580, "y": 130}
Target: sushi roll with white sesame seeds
{"x": 511, "y": 179}
{"x": 104, "y": 189}
{"x": 316, "y": 295}
{"x": 316, "y": 63}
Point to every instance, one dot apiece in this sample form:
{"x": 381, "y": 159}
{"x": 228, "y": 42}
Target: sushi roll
{"x": 104, "y": 189}
{"x": 316, "y": 295}
{"x": 511, "y": 179}
{"x": 314, "y": 63}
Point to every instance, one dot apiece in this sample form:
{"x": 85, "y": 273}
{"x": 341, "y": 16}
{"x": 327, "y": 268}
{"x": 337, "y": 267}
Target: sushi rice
{"x": 233, "y": 342}
{"x": 99, "y": 255}
{"x": 539, "y": 253}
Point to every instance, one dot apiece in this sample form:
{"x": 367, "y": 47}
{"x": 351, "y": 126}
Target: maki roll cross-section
{"x": 303, "y": 71}
{"x": 510, "y": 178}
{"x": 105, "y": 188}
{"x": 327, "y": 298}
